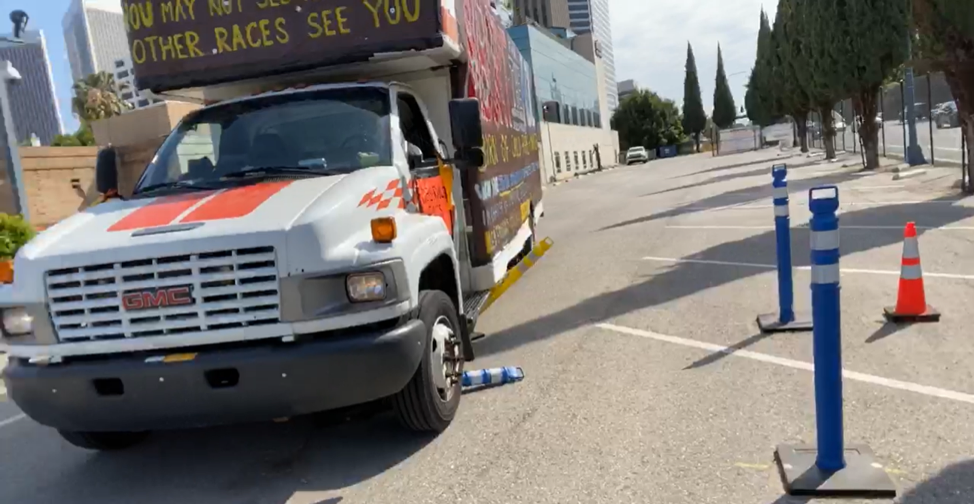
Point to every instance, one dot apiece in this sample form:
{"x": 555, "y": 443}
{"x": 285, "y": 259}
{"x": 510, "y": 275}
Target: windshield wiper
{"x": 260, "y": 171}
{"x": 177, "y": 184}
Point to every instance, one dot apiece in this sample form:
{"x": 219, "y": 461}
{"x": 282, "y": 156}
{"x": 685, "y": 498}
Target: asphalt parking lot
{"x": 647, "y": 380}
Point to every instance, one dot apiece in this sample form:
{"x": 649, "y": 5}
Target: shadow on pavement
{"x": 765, "y": 170}
{"x": 715, "y": 180}
{"x": 239, "y": 464}
{"x": 679, "y": 280}
{"x": 953, "y": 485}
{"x": 740, "y": 345}
{"x": 742, "y": 164}
{"x": 886, "y": 330}
{"x": 738, "y": 196}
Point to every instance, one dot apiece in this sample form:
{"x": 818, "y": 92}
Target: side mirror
{"x": 465, "y": 123}
{"x": 106, "y": 171}
{"x": 414, "y": 155}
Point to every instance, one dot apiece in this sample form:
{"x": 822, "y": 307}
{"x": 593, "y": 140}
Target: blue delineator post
{"x": 782, "y": 234}
{"x": 826, "y": 336}
{"x": 830, "y": 468}
{"x": 785, "y": 319}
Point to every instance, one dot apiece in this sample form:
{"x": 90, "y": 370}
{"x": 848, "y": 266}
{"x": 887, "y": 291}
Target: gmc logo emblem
{"x": 157, "y": 298}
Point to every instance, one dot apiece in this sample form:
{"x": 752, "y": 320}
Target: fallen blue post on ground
{"x": 491, "y": 377}
{"x": 785, "y": 319}
{"x": 830, "y": 468}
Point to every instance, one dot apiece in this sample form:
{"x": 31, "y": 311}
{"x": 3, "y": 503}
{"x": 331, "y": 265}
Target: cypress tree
{"x": 791, "y": 71}
{"x": 694, "y": 117}
{"x": 725, "y": 112}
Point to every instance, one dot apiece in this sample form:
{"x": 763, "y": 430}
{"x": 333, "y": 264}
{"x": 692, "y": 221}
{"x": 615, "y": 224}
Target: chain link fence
{"x": 938, "y": 130}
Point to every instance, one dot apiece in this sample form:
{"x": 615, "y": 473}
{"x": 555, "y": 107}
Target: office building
{"x": 125, "y": 80}
{"x": 94, "y": 36}
{"x": 547, "y": 13}
{"x": 592, "y": 16}
{"x": 32, "y": 99}
{"x": 574, "y": 129}
{"x": 626, "y": 88}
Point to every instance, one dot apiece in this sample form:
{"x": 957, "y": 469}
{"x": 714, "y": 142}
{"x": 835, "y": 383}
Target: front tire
{"x": 103, "y": 441}
{"x": 430, "y": 400}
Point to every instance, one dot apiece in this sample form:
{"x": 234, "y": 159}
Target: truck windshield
{"x": 318, "y": 132}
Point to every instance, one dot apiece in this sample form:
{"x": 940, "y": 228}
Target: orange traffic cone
{"x": 911, "y": 301}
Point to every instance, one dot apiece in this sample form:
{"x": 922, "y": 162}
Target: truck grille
{"x": 230, "y": 288}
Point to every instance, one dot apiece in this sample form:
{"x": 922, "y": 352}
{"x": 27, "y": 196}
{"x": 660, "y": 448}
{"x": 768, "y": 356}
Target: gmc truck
{"x": 323, "y": 233}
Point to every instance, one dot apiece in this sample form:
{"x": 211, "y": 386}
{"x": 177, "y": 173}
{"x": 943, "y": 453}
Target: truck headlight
{"x": 17, "y": 321}
{"x": 364, "y": 287}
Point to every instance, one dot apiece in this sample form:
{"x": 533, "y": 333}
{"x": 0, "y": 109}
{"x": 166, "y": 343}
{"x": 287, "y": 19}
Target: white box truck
{"x": 323, "y": 233}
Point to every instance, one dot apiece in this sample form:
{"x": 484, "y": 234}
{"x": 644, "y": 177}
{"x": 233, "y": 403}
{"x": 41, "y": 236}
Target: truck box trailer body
{"x": 307, "y": 241}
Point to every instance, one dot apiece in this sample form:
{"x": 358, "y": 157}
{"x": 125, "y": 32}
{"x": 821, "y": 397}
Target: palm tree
{"x": 97, "y": 97}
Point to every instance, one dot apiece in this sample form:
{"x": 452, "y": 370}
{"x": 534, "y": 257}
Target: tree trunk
{"x": 866, "y": 110}
{"x": 696, "y": 141}
{"x": 801, "y": 122}
{"x": 960, "y": 78}
{"x": 828, "y": 129}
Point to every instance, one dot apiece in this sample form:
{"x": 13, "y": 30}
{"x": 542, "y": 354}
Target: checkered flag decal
{"x": 395, "y": 194}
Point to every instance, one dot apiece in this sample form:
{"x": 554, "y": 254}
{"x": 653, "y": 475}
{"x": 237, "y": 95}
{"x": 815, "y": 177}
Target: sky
{"x": 649, "y": 37}
{"x": 650, "y": 43}
{"x": 45, "y": 15}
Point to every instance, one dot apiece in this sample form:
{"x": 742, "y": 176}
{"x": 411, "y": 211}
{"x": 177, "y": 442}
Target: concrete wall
{"x": 58, "y": 181}
{"x": 559, "y": 141}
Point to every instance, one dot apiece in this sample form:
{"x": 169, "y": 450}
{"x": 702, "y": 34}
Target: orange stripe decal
{"x": 235, "y": 202}
{"x": 159, "y": 212}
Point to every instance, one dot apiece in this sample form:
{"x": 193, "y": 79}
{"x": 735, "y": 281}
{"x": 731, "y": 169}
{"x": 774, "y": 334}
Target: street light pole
{"x": 914, "y": 153}
{"x": 14, "y": 171}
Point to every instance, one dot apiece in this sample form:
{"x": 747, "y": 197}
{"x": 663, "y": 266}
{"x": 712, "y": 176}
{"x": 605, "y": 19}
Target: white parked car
{"x": 637, "y": 155}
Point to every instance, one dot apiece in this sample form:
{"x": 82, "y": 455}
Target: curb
{"x": 900, "y": 174}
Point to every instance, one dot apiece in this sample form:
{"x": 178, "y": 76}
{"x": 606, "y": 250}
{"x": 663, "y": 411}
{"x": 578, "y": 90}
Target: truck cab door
{"x": 436, "y": 180}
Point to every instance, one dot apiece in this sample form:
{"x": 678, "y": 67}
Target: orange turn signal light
{"x": 383, "y": 229}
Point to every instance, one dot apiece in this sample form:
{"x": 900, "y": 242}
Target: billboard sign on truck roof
{"x": 190, "y": 43}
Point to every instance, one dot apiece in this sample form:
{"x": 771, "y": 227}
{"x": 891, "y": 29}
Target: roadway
{"x": 946, "y": 145}
{"x": 646, "y": 378}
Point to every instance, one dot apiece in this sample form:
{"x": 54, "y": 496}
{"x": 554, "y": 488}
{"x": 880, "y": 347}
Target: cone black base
{"x": 929, "y": 315}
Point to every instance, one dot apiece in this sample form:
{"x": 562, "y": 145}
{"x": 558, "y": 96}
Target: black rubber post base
{"x": 771, "y": 323}
{"x": 929, "y": 315}
{"x": 861, "y": 477}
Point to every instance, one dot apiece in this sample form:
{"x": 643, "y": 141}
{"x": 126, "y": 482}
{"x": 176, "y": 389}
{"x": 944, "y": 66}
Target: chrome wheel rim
{"x": 444, "y": 358}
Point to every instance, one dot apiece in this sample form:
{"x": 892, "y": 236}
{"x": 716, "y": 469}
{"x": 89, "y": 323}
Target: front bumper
{"x": 219, "y": 385}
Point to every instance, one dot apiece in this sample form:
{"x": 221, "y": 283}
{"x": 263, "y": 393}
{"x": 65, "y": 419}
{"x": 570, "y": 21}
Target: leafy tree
{"x": 81, "y": 138}
{"x": 875, "y": 46}
{"x": 15, "y": 232}
{"x": 725, "y": 112}
{"x": 946, "y": 43}
{"x": 694, "y": 117}
{"x": 97, "y": 97}
{"x": 643, "y": 118}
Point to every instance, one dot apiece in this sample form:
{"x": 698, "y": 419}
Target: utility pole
{"x": 8, "y": 131}
{"x": 914, "y": 153}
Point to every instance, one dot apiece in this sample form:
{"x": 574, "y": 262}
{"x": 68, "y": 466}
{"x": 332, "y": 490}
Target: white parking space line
{"x": 898, "y": 228}
{"x": 12, "y": 420}
{"x": 955, "y": 276}
{"x": 794, "y": 364}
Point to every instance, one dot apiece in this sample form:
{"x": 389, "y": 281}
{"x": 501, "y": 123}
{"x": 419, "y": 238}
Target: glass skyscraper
{"x": 592, "y": 16}
{"x": 32, "y": 99}
{"x": 94, "y": 35}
